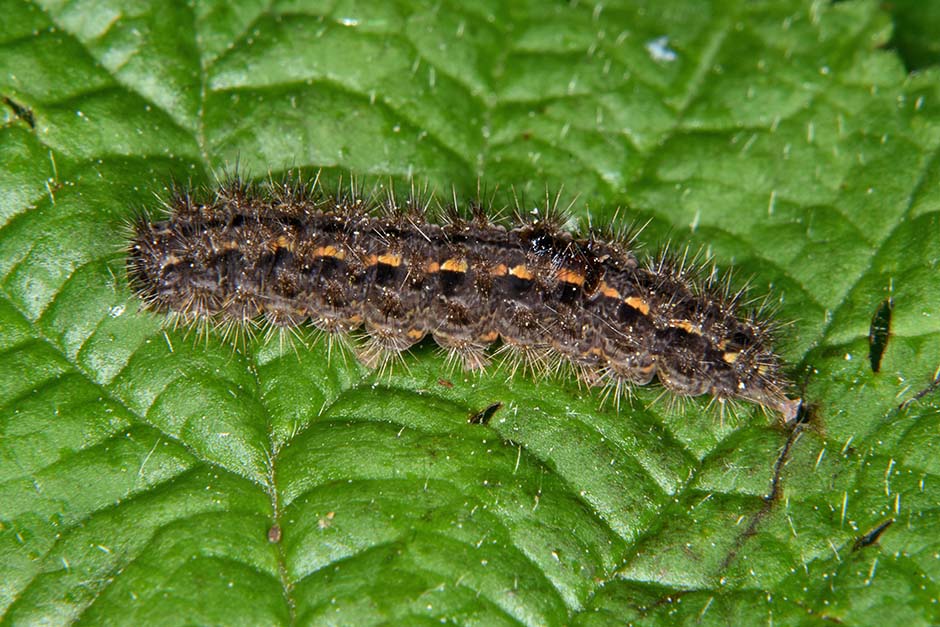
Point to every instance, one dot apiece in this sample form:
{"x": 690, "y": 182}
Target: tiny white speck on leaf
{"x": 660, "y": 51}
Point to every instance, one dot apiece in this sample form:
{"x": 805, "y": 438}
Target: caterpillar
{"x": 289, "y": 253}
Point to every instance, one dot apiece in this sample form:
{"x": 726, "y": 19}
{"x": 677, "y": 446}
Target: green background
{"x": 142, "y": 473}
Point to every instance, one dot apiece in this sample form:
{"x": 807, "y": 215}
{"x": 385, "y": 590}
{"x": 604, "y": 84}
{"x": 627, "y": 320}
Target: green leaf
{"x": 150, "y": 477}
{"x": 915, "y": 36}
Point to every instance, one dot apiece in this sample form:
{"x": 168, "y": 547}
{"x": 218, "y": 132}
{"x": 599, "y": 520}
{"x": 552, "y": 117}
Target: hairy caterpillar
{"x": 290, "y": 253}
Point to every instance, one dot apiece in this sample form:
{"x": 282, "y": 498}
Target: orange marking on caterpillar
{"x": 390, "y": 259}
{"x": 455, "y": 265}
{"x": 521, "y": 272}
{"x": 638, "y": 303}
{"x": 608, "y": 291}
{"x": 329, "y": 251}
{"x": 686, "y": 326}
{"x": 571, "y": 277}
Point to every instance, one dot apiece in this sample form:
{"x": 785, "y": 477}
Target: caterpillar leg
{"x": 383, "y": 346}
{"x": 469, "y": 354}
